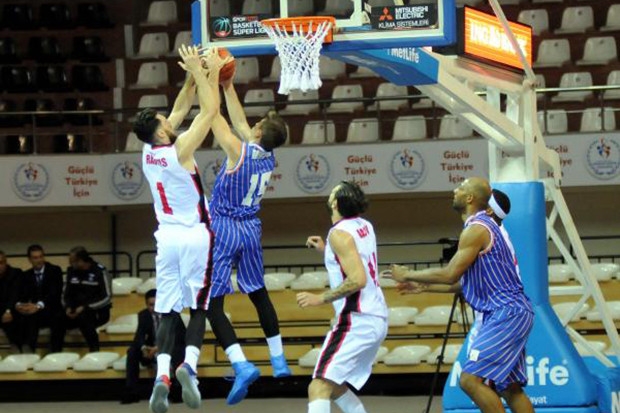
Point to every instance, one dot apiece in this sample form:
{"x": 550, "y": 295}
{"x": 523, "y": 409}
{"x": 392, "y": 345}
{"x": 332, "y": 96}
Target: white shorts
{"x": 183, "y": 267}
{"x": 350, "y": 349}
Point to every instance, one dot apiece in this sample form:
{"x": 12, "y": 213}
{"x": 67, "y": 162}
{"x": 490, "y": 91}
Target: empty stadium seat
{"x": 96, "y": 361}
{"x": 88, "y": 78}
{"x": 149, "y": 284}
{"x": 331, "y": 69}
{"x": 560, "y": 273}
{"x": 81, "y": 104}
{"x": 401, "y": 316}
{"x": 277, "y": 281}
{"x": 55, "y": 16}
{"x": 576, "y": 19}
{"x": 153, "y": 101}
{"x": 599, "y": 51}
{"x": 450, "y": 354}
{"x": 219, "y": 8}
{"x": 540, "y": 84}
{"x": 125, "y": 285}
{"x": 469, "y": 312}
{"x": 600, "y": 346}
{"x": 274, "y": 72}
{"x": 52, "y": 79}
{"x": 151, "y": 75}
{"x": 153, "y": 45}
{"x": 612, "y": 306}
{"x": 346, "y": 92}
{"x": 362, "y": 71}
{"x": 409, "y": 128}
{"x": 162, "y": 13}
{"x": 43, "y": 105}
{"x": 17, "y": 17}
{"x": 132, "y": 143}
{"x": 605, "y": 271}
{"x": 381, "y": 353}
{"x": 89, "y": 49}
{"x": 390, "y": 90}
{"x": 18, "y": 363}
{"x": 387, "y": 283}
{"x": 17, "y": 79}
{"x": 407, "y": 355}
{"x": 8, "y": 51}
{"x": 301, "y": 108}
{"x": 537, "y": 18}
{"x": 556, "y": 121}
{"x": 452, "y": 126}
{"x": 562, "y": 310}
{"x": 121, "y": 364}
{"x": 363, "y": 130}
{"x": 125, "y": 324}
{"x": 93, "y": 15}
{"x": 182, "y": 38}
{"x": 318, "y": 132}
{"x": 257, "y": 7}
{"x": 437, "y": 315}
{"x": 552, "y": 53}
{"x": 310, "y": 358}
{"x": 574, "y": 79}
{"x": 613, "y": 18}
{"x": 255, "y": 96}
{"x": 312, "y": 280}
{"x": 592, "y": 120}
{"x": 56, "y": 362}
{"x": 246, "y": 70}
{"x": 613, "y": 79}
{"x": 45, "y": 49}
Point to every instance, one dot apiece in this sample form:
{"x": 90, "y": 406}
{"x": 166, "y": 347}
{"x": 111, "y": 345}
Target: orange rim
{"x": 304, "y": 22}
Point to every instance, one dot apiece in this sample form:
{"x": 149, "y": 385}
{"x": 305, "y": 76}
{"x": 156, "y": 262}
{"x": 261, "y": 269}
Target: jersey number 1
{"x": 254, "y": 195}
{"x": 164, "y": 200}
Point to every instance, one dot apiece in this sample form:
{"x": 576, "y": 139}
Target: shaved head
{"x": 472, "y": 195}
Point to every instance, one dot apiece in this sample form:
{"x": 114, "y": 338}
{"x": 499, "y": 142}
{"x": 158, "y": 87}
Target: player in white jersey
{"x": 351, "y": 346}
{"x": 183, "y": 266}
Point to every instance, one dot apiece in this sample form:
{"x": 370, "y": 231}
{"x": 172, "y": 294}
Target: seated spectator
{"x": 38, "y": 301}
{"x": 87, "y": 300}
{"x": 9, "y": 277}
{"x": 143, "y": 350}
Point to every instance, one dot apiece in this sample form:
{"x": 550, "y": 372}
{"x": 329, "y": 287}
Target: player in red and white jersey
{"x": 350, "y": 347}
{"x": 184, "y": 239}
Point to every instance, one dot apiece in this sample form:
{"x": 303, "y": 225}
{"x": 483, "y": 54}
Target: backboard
{"x": 361, "y": 24}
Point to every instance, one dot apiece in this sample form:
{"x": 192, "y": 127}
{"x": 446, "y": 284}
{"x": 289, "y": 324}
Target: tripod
{"x": 457, "y": 301}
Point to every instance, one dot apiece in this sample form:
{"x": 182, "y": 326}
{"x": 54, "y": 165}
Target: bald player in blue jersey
{"x": 239, "y": 187}
{"x": 487, "y": 272}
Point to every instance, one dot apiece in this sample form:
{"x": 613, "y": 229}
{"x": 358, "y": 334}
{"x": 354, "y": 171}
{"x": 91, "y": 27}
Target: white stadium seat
{"x": 468, "y": 311}
{"x": 557, "y": 121}
{"x": 599, "y": 51}
{"x": 301, "y": 108}
{"x": 614, "y": 309}
{"x": 121, "y": 364}
{"x": 162, "y": 13}
{"x": 613, "y": 18}
{"x": 18, "y": 363}
{"x": 613, "y": 79}
{"x": 125, "y": 324}
{"x": 401, "y": 316}
{"x": 182, "y": 38}
{"x": 133, "y": 144}
{"x": 576, "y": 19}
{"x": 574, "y": 79}
{"x": 276, "y": 281}
{"x": 96, "y": 361}
{"x": 553, "y": 53}
{"x": 437, "y": 315}
{"x": 605, "y": 271}
{"x": 346, "y": 92}
{"x": 409, "y": 128}
{"x": 258, "y": 96}
{"x": 311, "y": 280}
{"x": 449, "y": 355}
{"x": 562, "y": 309}
{"x": 540, "y": 84}
{"x": 319, "y": 132}
{"x": 153, "y": 101}
{"x": 330, "y": 69}
{"x": 560, "y": 273}
{"x": 125, "y": 285}
{"x": 592, "y": 120}
{"x": 274, "y": 73}
{"x": 381, "y": 353}
{"x": 387, "y": 283}
{"x": 151, "y": 75}
{"x": 387, "y": 90}
{"x": 362, "y": 71}
{"x": 147, "y": 285}
{"x": 596, "y": 345}
{"x": 310, "y": 358}
{"x": 363, "y": 130}
{"x": 537, "y": 18}
{"x": 406, "y": 355}
{"x": 154, "y": 45}
{"x": 246, "y": 70}
{"x": 452, "y": 126}
{"x": 56, "y": 362}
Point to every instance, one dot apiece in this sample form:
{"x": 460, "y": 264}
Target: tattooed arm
{"x": 343, "y": 245}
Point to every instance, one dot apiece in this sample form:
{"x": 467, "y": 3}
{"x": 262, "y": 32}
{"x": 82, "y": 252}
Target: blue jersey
{"x": 237, "y": 192}
{"x": 492, "y": 282}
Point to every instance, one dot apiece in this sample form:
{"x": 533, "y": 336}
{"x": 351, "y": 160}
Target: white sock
{"x": 163, "y": 365}
{"x": 275, "y": 345}
{"x": 235, "y": 354}
{"x": 191, "y": 356}
{"x": 350, "y": 403}
{"x": 319, "y": 406}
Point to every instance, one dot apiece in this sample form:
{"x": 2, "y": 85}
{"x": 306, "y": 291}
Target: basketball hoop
{"x": 298, "y": 42}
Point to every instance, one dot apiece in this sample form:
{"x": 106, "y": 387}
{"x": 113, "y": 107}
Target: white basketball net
{"x": 299, "y": 53}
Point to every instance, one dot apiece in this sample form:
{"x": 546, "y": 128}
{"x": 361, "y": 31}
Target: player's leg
{"x": 485, "y": 398}
{"x": 516, "y": 399}
{"x": 319, "y": 395}
{"x": 251, "y": 280}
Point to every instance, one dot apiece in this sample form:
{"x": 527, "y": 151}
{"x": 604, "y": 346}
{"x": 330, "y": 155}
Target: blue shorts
{"x": 497, "y": 352}
{"x": 237, "y": 243}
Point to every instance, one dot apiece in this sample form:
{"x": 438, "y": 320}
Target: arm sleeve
{"x": 68, "y": 297}
{"x": 104, "y": 296}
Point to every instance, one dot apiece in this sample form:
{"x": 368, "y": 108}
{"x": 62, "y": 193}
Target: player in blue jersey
{"x": 237, "y": 193}
{"x": 485, "y": 267}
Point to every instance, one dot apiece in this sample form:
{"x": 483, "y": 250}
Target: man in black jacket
{"x": 143, "y": 349}
{"x": 87, "y": 300}
{"x": 9, "y": 277}
{"x": 39, "y": 298}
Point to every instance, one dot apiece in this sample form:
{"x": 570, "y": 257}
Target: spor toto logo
{"x": 31, "y": 182}
{"x": 407, "y": 169}
{"x": 603, "y": 158}
{"x": 127, "y": 180}
{"x": 313, "y": 173}
{"x": 222, "y": 27}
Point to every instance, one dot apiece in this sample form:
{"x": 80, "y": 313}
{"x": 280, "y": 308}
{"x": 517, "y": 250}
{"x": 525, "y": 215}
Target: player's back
{"x": 370, "y": 299}
{"x": 178, "y": 195}
{"x": 237, "y": 192}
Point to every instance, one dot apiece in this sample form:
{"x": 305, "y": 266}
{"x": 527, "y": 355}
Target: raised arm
{"x": 231, "y": 145}
{"x": 183, "y": 102}
{"x": 235, "y": 111}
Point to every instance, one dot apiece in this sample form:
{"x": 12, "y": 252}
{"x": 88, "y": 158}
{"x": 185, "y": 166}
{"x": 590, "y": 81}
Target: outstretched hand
{"x": 396, "y": 272}
{"x": 411, "y": 287}
{"x": 191, "y": 59}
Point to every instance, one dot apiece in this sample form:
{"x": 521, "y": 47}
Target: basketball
{"x": 228, "y": 70}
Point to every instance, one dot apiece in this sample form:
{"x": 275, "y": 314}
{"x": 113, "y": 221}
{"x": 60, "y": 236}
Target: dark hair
{"x": 350, "y": 199}
{"x": 81, "y": 254}
{"x": 146, "y": 125}
{"x": 150, "y": 294}
{"x": 273, "y": 131}
{"x": 34, "y": 247}
{"x": 502, "y": 200}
